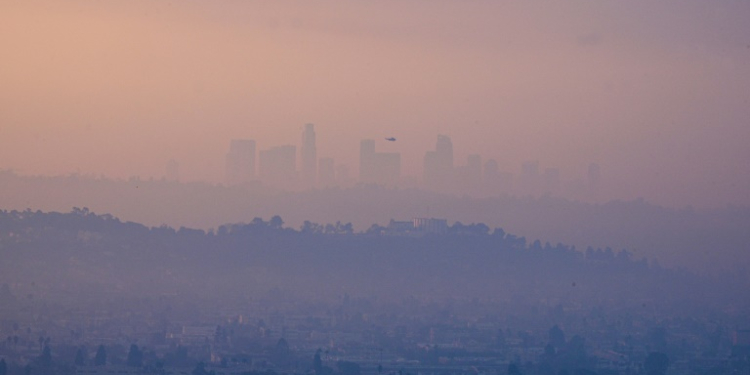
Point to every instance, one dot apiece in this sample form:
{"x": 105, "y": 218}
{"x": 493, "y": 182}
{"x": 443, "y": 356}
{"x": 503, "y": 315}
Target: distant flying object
{"x": 391, "y": 139}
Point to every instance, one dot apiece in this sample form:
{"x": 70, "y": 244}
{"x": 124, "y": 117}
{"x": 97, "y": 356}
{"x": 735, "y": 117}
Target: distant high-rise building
{"x": 309, "y": 156}
{"x": 366, "y": 160}
{"x": 444, "y": 149}
{"x": 438, "y": 164}
{"x": 551, "y": 180}
{"x": 529, "y": 179}
{"x": 530, "y": 168}
{"x": 388, "y": 167}
{"x": 474, "y": 169}
{"x": 378, "y": 167}
{"x": 469, "y": 176}
{"x": 491, "y": 170}
{"x": 430, "y": 225}
{"x": 494, "y": 180}
{"x": 240, "y": 162}
{"x": 326, "y": 172}
{"x": 278, "y": 166}
{"x": 343, "y": 177}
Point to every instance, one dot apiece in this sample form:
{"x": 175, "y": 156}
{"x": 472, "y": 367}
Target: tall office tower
{"x": 444, "y": 149}
{"x": 309, "y": 156}
{"x": 469, "y": 176}
{"x": 529, "y": 179}
{"x": 326, "y": 172}
{"x": 474, "y": 170}
{"x": 387, "y": 168}
{"x": 495, "y": 180}
{"x": 278, "y": 166}
{"x": 366, "y": 160}
{"x": 491, "y": 172}
{"x": 382, "y": 168}
{"x": 343, "y": 176}
{"x": 240, "y": 162}
{"x": 438, "y": 165}
{"x": 551, "y": 180}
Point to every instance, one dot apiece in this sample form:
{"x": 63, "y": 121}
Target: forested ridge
{"x": 81, "y": 248}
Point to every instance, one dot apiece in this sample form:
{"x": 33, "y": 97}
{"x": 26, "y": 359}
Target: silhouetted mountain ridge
{"x": 81, "y": 251}
{"x": 706, "y": 240}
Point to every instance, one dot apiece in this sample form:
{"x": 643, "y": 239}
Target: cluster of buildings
{"x": 283, "y": 167}
{"x": 429, "y": 339}
{"x": 416, "y": 227}
{"x": 277, "y": 166}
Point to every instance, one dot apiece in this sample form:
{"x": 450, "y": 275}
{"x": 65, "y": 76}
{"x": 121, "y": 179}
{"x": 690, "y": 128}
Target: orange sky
{"x": 657, "y": 93}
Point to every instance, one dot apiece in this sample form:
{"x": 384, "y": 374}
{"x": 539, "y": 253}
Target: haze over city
{"x": 655, "y": 93}
{"x": 437, "y": 187}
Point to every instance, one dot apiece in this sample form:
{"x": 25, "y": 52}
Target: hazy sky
{"x": 656, "y": 92}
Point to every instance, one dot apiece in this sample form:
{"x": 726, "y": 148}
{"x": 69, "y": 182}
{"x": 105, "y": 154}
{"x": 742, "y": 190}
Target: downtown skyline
{"x": 656, "y": 94}
{"x": 297, "y": 167}
{"x": 429, "y": 187}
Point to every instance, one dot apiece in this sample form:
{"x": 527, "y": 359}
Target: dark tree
{"x": 317, "y": 363}
{"x": 45, "y": 360}
{"x": 557, "y": 337}
{"x": 135, "y": 356}
{"x": 658, "y": 338}
{"x": 373, "y": 230}
{"x": 200, "y": 369}
{"x": 513, "y": 369}
{"x": 281, "y": 353}
{"x": 80, "y": 357}
{"x": 101, "y": 356}
{"x": 549, "y": 350}
{"x": 3, "y": 367}
{"x": 181, "y": 357}
{"x": 344, "y": 228}
{"x": 500, "y": 339}
{"x": 656, "y": 363}
{"x": 348, "y": 368}
{"x": 276, "y": 222}
{"x": 576, "y": 352}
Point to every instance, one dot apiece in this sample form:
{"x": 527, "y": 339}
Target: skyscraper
{"x": 474, "y": 170}
{"x": 309, "y": 156}
{"x": 551, "y": 181}
{"x": 530, "y": 178}
{"x": 444, "y": 150}
{"x": 495, "y": 180}
{"x": 366, "y": 160}
{"x": 491, "y": 170}
{"x": 469, "y": 176}
{"x": 326, "y": 172}
{"x": 240, "y": 162}
{"x": 278, "y": 166}
{"x": 491, "y": 179}
{"x": 438, "y": 165}
{"x": 378, "y": 167}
